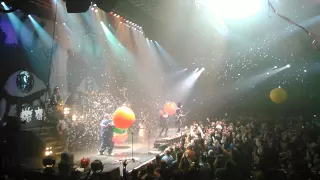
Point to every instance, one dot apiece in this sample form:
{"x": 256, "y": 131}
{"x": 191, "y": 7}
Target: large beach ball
{"x": 278, "y": 95}
{"x": 123, "y": 117}
{"x": 170, "y": 108}
{"x": 120, "y": 138}
{"x": 119, "y": 131}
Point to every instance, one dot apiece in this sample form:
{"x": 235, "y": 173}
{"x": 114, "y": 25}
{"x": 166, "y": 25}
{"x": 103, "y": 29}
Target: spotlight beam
{"x": 6, "y": 9}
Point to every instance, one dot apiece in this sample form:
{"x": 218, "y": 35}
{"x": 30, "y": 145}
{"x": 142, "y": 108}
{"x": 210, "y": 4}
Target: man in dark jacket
{"x": 106, "y": 135}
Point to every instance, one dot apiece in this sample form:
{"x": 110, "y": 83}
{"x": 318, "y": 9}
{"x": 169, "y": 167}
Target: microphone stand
{"x": 148, "y": 140}
{"x": 132, "y": 159}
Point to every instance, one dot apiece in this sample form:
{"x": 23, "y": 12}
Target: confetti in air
{"x": 85, "y": 129}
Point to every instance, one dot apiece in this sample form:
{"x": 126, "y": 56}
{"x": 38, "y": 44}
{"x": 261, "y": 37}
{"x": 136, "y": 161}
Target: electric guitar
{"x": 60, "y": 105}
{"x": 180, "y": 116}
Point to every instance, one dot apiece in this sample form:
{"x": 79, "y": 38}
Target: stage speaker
{"x": 77, "y": 6}
{"x": 107, "y": 6}
{"x": 113, "y": 174}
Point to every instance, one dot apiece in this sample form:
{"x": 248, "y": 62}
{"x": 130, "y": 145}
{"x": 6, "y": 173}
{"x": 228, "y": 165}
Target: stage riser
{"x": 162, "y": 144}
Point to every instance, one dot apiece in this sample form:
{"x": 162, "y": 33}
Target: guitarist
{"x": 179, "y": 117}
{"x": 54, "y": 103}
{"x": 55, "y": 97}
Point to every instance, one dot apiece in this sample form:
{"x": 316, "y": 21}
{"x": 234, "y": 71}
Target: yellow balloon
{"x": 278, "y": 95}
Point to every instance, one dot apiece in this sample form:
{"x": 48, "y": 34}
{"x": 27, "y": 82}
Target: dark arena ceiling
{"x": 236, "y": 54}
{"x": 253, "y": 45}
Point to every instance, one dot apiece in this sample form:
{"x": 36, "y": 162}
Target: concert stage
{"x": 140, "y": 154}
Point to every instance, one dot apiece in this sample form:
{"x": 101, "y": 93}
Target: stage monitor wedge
{"x": 77, "y": 6}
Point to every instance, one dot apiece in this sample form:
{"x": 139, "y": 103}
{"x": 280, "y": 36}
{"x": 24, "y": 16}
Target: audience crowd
{"x": 240, "y": 150}
{"x": 245, "y": 149}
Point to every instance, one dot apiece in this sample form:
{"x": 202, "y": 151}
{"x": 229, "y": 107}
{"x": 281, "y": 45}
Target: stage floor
{"x": 141, "y": 154}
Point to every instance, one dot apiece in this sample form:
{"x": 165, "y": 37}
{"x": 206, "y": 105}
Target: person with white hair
{"x": 106, "y": 135}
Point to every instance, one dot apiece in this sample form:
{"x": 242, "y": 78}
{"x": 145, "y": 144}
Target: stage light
{"x": 3, "y": 4}
{"x": 120, "y": 22}
{"x": 29, "y": 16}
{"x": 96, "y": 10}
{"x": 197, "y": 69}
{"x": 304, "y": 70}
{"x": 185, "y": 69}
{"x": 74, "y": 117}
{"x": 233, "y": 9}
{"x": 202, "y": 69}
{"x": 48, "y": 162}
{"x": 64, "y": 24}
{"x": 66, "y": 111}
{"x": 84, "y": 163}
{"x": 275, "y": 67}
{"x": 114, "y": 14}
{"x": 288, "y": 66}
{"x": 95, "y": 5}
{"x": 92, "y": 8}
{"x": 101, "y": 22}
{"x": 118, "y": 16}
{"x": 127, "y": 21}
{"x": 48, "y": 151}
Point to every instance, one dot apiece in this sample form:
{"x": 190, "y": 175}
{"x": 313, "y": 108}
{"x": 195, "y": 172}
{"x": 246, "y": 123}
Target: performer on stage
{"x": 55, "y": 97}
{"x": 179, "y": 117}
{"x": 55, "y": 107}
{"x": 163, "y": 123}
{"x": 106, "y": 135}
